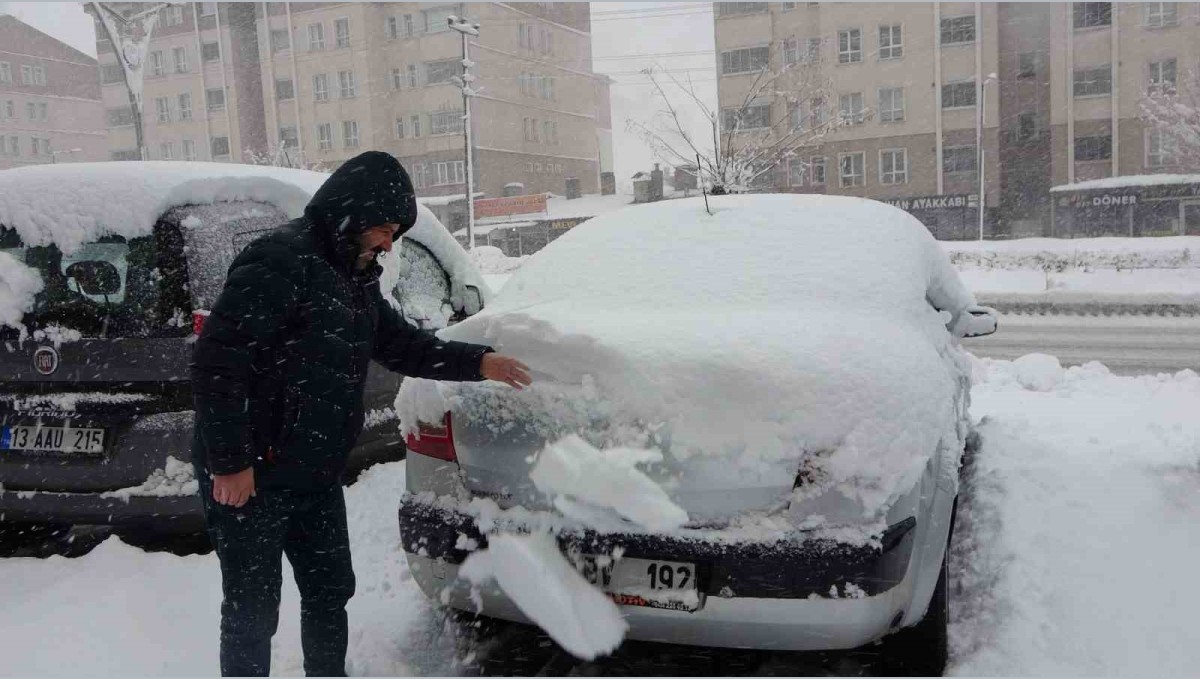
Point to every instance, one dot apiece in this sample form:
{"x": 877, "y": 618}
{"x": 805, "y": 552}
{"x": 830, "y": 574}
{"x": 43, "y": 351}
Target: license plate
{"x": 669, "y": 585}
{"x": 52, "y": 439}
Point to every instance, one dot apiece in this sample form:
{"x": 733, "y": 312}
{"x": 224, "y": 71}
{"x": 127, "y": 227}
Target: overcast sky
{"x": 622, "y": 34}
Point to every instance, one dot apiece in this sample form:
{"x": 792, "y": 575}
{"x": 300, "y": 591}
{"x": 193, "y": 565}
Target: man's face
{"x": 373, "y": 242}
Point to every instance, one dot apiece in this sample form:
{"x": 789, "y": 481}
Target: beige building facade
{"x": 50, "y": 110}
{"x": 339, "y": 78}
{"x": 910, "y": 78}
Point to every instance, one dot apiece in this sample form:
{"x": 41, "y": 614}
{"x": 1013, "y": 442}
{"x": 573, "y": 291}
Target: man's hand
{"x": 504, "y": 369}
{"x": 234, "y": 490}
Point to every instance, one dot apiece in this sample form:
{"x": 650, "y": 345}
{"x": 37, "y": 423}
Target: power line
{"x": 620, "y": 57}
{"x": 668, "y": 8}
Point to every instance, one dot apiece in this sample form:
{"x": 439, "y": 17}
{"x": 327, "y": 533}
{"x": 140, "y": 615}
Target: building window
{"x": 852, "y": 169}
{"x": 416, "y": 126}
{"x": 123, "y": 155}
{"x": 321, "y": 87}
{"x": 791, "y": 51}
{"x": 1092, "y": 14}
{"x": 173, "y": 16}
{"x": 5, "y": 72}
{"x": 157, "y": 67}
{"x": 796, "y": 172}
{"x": 350, "y": 134}
{"x": 1093, "y": 148}
{"x": 787, "y": 6}
{"x": 163, "y": 106}
{"x": 817, "y": 116}
{"x": 444, "y": 71}
{"x": 891, "y": 42}
{"x": 316, "y": 37}
{"x": 436, "y": 19}
{"x": 958, "y": 30}
{"x": 449, "y": 173}
{"x": 120, "y": 117}
{"x": 816, "y": 166}
{"x": 39, "y": 75}
{"x": 893, "y": 166}
{"x": 1163, "y": 75}
{"x": 850, "y": 46}
{"x": 325, "y": 137}
{"x": 285, "y": 89}
{"x": 959, "y": 160}
{"x": 397, "y": 78}
{"x": 732, "y": 9}
{"x": 210, "y": 51}
{"x": 167, "y": 150}
{"x": 399, "y": 128}
{"x": 749, "y": 60}
{"x": 220, "y": 147}
{"x": 891, "y": 104}
{"x": 14, "y": 146}
{"x": 346, "y": 87}
{"x": 795, "y": 116}
{"x": 289, "y": 137}
{"x": 1160, "y": 149}
{"x": 446, "y": 122}
{"x": 958, "y": 95}
{"x": 215, "y": 98}
{"x": 189, "y": 149}
{"x": 181, "y": 60}
{"x": 408, "y": 26}
{"x": 851, "y": 110}
{"x": 753, "y": 117}
{"x": 550, "y": 132}
{"x": 813, "y": 54}
{"x": 412, "y": 75}
{"x": 281, "y": 40}
{"x": 26, "y": 75}
{"x": 1159, "y": 14}
{"x": 208, "y": 9}
{"x": 111, "y": 73}
{"x": 1093, "y": 81}
{"x": 9, "y": 111}
{"x": 392, "y": 27}
{"x": 1027, "y": 65}
{"x": 1027, "y": 127}
{"x": 341, "y": 33}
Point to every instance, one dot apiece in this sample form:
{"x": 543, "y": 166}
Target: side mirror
{"x": 980, "y": 321}
{"x": 472, "y": 301}
{"x": 96, "y": 277}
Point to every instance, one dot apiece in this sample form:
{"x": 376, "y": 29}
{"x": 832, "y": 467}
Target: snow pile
{"x": 176, "y": 478}
{"x": 607, "y": 478}
{"x": 19, "y": 285}
{"x": 492, "y": 260}
{"x": 536, "y": 576}
{"x": 1065, "y": 254}
{"x": 1038, "y": 372}
{"x": 1076, "y": 538}
{"x": 825, "y": 342}
{"x": 75, "y": 203}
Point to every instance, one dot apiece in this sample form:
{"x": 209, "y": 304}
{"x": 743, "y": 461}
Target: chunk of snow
{"x": 607, "y": 478}
{"x": 549, "y": 591}
{"x": 19, "y": 286}
{"x": 56, "y": 335}
{"x": 173, "y": 479}
{"x": 1038, "y": 372}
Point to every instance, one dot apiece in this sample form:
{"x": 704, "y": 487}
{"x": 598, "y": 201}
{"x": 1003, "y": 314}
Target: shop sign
{"x": 934, "y": 202}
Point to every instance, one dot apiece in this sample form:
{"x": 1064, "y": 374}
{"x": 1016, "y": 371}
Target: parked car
{"x": 95, "y": 402}
{"x": 792, "y": 365}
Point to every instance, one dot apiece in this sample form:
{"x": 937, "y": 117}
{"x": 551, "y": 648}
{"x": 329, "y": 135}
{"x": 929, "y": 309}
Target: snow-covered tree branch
{"x": 1173, "y": 116}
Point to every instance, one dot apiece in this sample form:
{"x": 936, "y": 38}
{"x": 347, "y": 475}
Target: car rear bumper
{"x": 786, "y": 594}
{"x": 174, "y": 514}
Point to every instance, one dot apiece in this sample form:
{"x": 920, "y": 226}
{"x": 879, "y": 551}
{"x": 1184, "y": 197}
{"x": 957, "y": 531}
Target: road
{"x": 1128, "y": 345}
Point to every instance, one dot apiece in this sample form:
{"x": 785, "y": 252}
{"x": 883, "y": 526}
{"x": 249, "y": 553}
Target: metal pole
{"x": 979, "y": 149}
{"x": 466, "y": 30}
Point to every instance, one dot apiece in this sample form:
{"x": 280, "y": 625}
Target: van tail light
{"x": 433, "y": 440}
{"x": 198, "y": 321}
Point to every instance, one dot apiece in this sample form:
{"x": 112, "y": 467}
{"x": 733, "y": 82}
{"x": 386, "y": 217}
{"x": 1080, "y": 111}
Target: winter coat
{"x": 279, "y": 370}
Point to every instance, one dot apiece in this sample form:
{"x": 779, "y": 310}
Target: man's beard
{"x": 369, "y": 257}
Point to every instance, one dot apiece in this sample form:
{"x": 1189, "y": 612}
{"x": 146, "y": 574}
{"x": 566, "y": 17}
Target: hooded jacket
{"x": 279, "y": 370}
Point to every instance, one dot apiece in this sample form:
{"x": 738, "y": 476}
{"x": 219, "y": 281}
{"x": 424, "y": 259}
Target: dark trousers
{"x": 310, "y": 528}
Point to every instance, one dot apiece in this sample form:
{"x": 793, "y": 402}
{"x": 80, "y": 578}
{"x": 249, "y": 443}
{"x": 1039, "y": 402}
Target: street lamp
{"x": 991, "y": 77}
{"x": 467, "y": 30}
{"x": 130, "y": 39}
{"x": 55, "y": 154}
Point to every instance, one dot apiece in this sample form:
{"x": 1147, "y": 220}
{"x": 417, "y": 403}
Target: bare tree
{"x": 754, "y": 138}
{"x": 1174, "y": 113}
{"x": 282, "y": 155}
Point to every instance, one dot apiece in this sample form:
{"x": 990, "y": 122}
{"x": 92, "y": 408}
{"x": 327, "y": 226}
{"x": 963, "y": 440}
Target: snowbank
{"x": 19, "y": 285}
{"x": 1062, "y": 254}
{"x": 492, "y": 260}
{"x": 750, "y": 339}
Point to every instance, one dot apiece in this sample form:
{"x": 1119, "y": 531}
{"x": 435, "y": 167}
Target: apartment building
{"x": 910, "y": 78}
{"x": 339, "y": 78}
{"x": 202, "y": 96}
{"x": 50, "y": 108}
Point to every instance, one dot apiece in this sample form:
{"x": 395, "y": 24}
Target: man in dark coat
{"x": 278, "y": 376}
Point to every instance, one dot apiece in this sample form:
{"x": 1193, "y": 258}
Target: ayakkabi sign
{"x": 934, "y": 202}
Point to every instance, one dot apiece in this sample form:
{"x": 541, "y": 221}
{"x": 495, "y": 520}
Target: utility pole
{"x": 979, "y": 147}
{"x": 130, "y": 39}
{"x": 467, "y": 30}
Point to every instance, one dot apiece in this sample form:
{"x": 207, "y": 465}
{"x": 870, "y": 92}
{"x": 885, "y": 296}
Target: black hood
{"x": 368, "y": 190}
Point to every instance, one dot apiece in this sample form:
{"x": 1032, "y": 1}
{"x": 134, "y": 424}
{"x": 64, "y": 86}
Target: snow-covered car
{"x": 745, "y": 426}
{"x": 106, "y": 271}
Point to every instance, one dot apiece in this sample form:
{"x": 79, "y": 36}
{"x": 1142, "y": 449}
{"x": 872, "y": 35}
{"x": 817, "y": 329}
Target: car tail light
{"x": 198, "y": 321}
{"x": 433, "y": 440}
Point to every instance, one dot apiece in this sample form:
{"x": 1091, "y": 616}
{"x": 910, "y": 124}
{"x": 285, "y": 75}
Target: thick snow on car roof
{"x": 778, "y": 327}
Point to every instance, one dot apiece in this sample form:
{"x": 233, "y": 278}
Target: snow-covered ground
{"x": 1075, "y": 555}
